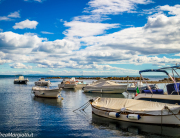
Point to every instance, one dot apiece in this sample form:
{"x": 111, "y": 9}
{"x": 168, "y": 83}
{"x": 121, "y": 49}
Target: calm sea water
{"x": 21, "y": 112}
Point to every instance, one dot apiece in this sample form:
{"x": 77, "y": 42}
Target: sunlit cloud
{"x": 26, "y": 24}
{"x": 44, "y": 32}
{"x": 20, "y": 66}
{"x": 10, "y": 16}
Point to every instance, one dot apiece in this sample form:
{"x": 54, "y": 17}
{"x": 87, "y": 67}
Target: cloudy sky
{"x": 89, "y": 37}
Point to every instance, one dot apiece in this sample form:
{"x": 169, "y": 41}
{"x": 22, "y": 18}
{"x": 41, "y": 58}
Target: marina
{"x": 90, "y": 68}
{"x": 44, "y": 117}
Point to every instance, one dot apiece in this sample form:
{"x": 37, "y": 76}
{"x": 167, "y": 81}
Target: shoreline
{"x": 123, "y": 79}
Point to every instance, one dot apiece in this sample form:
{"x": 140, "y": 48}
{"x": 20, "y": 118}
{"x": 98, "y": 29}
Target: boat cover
{"x": 21, "y": 77}
{"x": 102, "y": 83}
{"x": 134, "y": 106}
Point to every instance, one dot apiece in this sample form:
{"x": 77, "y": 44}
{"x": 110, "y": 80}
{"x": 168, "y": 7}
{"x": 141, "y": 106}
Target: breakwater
{"x": 124, "y": 79}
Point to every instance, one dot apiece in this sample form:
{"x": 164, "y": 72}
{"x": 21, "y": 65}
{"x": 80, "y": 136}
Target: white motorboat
{"x": 105, "y": 86}
{"x": 71, "y": 84}
{"x": 21, "y": 80}
{"x": 172, "y": 94}
{"x": 138, "y": 111}
{"x": 46, "y": 92}
{"x": 42, "y": 82}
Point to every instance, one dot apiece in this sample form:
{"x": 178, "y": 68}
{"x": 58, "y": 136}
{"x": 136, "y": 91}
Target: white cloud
{"x": 42, "y": 66}
{"x": 114, "y": 6}
{"x": 134, "y": 45}
{"x": 14, "y": 15}
{"x": 20, "y": 66}
{"x": 91, "y": 18}
{"x": 4, "y": 18}
{"x": 84, "y": 29}
{"x": 173, "y": 10}
{"x": 12, "y": 42}
{"x": 38, "y": 0}
{"x": 2, "y": 61}
{"x": 177, "y": 54}
{"x": 35, "y": 0}
{"x": 44, "y": 32}
{"x": 153, "y": 60}
{"x": 161, "y": 21}
{"x": 26, "y": 24}
{"x": 1, "y": 30}
{"x": 25, "y": 72}
{"x": 57, "y": 46}
{"x": 10, "y": 16}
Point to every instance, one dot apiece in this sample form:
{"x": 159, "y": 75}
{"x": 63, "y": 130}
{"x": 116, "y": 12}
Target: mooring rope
{"x": 166, "y": 107}
{"x": 81, "y": 106}
{"x": 85, "y": 106}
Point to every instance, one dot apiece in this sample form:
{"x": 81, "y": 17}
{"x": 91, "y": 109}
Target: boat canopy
{"x": 103, "y": 83}
{"x": 173, "y": 67}
{"x": 21, "y": 77}
{"x": 135, "y": 106}
{"x": 153, "y": 70}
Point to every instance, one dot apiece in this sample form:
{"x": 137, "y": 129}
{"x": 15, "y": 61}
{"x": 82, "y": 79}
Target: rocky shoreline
{"x": 124, "y": 79}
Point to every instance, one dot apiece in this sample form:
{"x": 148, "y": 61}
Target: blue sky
{"x": 96, "y": 37}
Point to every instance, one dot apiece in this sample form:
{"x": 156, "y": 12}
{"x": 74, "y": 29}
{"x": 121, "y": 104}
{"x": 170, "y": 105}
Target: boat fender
{"x": 133, "y": 116}
{"x": 42, "y": 93}
{"x": 114, "y": 114}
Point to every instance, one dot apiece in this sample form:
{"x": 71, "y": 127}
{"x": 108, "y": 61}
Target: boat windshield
{"x": 173, "y": 68}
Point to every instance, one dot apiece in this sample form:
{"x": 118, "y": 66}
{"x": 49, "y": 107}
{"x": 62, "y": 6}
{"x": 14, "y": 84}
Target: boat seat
{"x": 158, "y": 91}
{"x": 172, "y": 89}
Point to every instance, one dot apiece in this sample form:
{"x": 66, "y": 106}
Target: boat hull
{"x": 54, "y": 93}
{"x": 67, "y": 86}
{"x": 173, "y": 99}
{"x": 105, "y": 90}
{"x": 20, "y": 81}
{"x": 148, "y": 119}
{"x": 80, "y": 85}
{"x": 42, "y": 83}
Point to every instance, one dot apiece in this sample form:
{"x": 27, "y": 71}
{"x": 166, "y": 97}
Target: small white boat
{"x": 42, "y": 82}
{"x": 21, "y": 80}
{"x": 137, "y": 111}
{"x": 46, "y": 92}
{"x": 71, "y": 84}
{"x": 105, "y": 86}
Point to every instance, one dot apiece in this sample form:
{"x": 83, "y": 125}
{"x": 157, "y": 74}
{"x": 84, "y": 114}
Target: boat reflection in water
{"x": 135, "y": 128}
{"x": 95, "y": 95}
{"x": 53, "y": 102}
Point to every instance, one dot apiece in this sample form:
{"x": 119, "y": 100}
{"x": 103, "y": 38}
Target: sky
{"x": 88, "y": 37}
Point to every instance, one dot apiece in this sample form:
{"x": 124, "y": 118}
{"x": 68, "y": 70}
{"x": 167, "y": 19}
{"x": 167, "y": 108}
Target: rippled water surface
{"x": 21, "y": 112}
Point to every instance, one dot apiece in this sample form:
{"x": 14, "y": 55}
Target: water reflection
{"x": 21, "y": 112}
{"x": 135, "y": 128}
{"x": 72, "y": 90}
{"x": 53, "y": 102}
{"x": 93, "y": 95}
